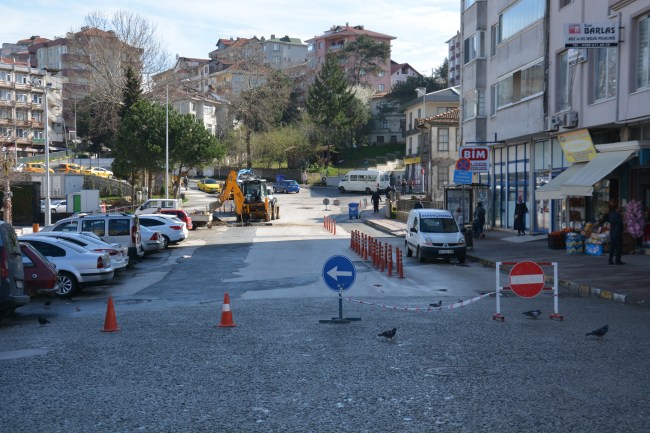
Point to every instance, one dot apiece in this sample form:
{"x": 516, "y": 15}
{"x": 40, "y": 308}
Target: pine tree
{"x": 131, "y": 91}
{"x": 328, "y": 101}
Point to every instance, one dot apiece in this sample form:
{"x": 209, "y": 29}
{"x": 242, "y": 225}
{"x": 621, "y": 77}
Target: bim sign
{"x": 479, "y": 157}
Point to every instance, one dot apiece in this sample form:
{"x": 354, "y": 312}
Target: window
{"x": 37, "y": 99}
{"x": 21, "y": 132}
{"x": 5, "y": 95}
{"x": 643, "y": 53}
{"x": 381, "y": 74}
{"x": 21, "y": 97}
{"x": 604, "y": 74}
{"x": 21, "y": 115}
{"x": 98, "y": 227}
{"x": 277, "y": 59}
{"x": 37, "y": 134}
{"x": 564, "y": 3}
{"x": 469, "y": 3}
{"x": 474, "y": 47}
{"x": 443, "y": 176}
{"x": 380, "y": 139}
{"x": 6, "y": 76}
{"x": 522, "y": 84}
{"x": 493, "y": 99}
{"x": 380, "y": 87}
{"x": 119, "y": 227}
{"x": 276, "y": 47}
{"x": 384, "y": 124}
{"x": 494, "y": 31}
{"x": 519, "y": 16}
{"x": 565, "y": 77}
{"x": 443, "y": 139}
{"x": 473, "y": 104}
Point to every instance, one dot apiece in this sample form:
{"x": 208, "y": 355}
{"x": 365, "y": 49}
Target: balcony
{"x": 5, "y": 121}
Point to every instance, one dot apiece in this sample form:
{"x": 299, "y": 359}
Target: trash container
{"x": 353, "y": 210}
{"x": 469, "y": 235}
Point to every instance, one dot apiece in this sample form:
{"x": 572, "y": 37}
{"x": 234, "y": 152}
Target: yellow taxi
{"x": 70, "y": 168}
{"x": 35, "y": 167}
{"x": 209, "y": 185}
{"x": 98, "y": 171}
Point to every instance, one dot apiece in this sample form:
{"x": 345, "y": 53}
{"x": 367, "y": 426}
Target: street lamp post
{"x": 48, "y": 214}
{"x": 167, "y": 140}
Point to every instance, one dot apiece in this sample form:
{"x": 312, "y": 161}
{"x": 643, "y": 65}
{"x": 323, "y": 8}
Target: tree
{"x": 329, "y": 100}
{"x": 364, "y": 56}
{"x": 261, "y": 107}
{"x": 441, "y": 73}
{"x": 404, "y": 91}
{"x": 131, "y": 92}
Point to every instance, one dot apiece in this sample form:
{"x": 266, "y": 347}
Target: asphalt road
{"x": 171, "y": 369}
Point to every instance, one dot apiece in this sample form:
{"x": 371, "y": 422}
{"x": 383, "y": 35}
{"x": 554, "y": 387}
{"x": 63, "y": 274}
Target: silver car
{"x": 118, "y": 252}
{"x": 76, "y": 265}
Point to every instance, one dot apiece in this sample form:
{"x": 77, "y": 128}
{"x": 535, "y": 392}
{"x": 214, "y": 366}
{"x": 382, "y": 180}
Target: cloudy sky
{"x": 191, "y": 28}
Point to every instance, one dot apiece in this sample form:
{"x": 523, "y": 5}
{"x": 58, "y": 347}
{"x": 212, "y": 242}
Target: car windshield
{"x": 438, "y": 225}
{"x": 292, "y": 182}
{"x": 210, "y": 181}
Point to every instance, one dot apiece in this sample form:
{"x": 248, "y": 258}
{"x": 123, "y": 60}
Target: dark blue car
{"x": 286, "y": 186}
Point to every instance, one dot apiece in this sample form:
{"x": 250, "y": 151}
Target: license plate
{"x": 445, "y": 251}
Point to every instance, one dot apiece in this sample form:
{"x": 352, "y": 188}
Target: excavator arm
{"x": 232, "y": 186}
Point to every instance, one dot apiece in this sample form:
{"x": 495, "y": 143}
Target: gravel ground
{"x": 280, "y": 370}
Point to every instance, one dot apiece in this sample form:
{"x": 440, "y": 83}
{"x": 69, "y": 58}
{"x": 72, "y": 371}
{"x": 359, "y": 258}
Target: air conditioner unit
{"x": 570, "y": 119}
{"x": 552, "y": 123}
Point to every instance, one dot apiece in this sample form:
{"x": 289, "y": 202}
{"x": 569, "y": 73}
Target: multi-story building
{"x": 558, "y": 95}
{"x": 400, "y": 72}
{"x": 453, "y": 59}
{"x": 387, "y": 121}
{"x": 23, "y": 120}
{"x": 417, "y": 158}
{"x": 283, "y": 53}
{"x": 335, "y": 38}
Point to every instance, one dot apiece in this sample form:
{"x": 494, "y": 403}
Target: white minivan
{"x": 434, "y": 233}
{"x": 156, "y": 204}
{"x": 366, "y": 181}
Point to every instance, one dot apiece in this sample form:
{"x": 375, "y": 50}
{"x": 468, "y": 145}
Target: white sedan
{"x": 76, "y": 265}
{"x": 173, "y": 230}
{"x": 118, "y": 252}
{"x": 56, "y": 205}
{"x": 152, "y": 240}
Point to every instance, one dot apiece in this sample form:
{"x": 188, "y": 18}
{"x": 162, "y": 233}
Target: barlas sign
{"x": 591, "y": 35}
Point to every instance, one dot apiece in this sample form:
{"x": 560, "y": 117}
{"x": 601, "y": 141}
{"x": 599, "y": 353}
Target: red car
{"x": 40, "y": 275}
{"x": 180, "y": 214}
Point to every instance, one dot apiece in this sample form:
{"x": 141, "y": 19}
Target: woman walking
{"x": 520, "y": 217}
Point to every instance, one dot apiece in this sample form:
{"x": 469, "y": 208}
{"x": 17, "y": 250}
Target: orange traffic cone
{"x": 110, "y": 323}
{"x": 226, "y": 314}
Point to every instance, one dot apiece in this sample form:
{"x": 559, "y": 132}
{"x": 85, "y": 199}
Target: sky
{"x": 191, "y": 28}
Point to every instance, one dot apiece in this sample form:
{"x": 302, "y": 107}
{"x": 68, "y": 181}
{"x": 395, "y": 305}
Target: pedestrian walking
{"x": 403, "y": 186}
{"x": 520, "y": 217}
{"x": 186, "y": 182}
{"x": 376, "y": 198}
{"x": 479, "y": 221}
{"x": 615, "y": 233}
{"x": 411, "y": 186}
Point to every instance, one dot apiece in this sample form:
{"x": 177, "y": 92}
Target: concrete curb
{"x": 565, "y": 286}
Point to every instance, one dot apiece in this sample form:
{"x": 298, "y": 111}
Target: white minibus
{"x": 366, "y": 181}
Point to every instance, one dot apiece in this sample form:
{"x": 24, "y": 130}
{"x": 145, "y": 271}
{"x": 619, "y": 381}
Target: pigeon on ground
{"x": 600, "y": 332}
{"x": 388, "y": 334}
{"x": 436, "y": 305}
{"x": 533, "y": 314}
{"x": 43, "y": 321}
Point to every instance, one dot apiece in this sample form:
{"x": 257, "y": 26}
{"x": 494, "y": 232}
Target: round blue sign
{"x": 339, "y": 273}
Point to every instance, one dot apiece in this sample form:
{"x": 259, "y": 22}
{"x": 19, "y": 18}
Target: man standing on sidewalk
{"x": 376, "y": 198}
{"x": 615, "y": 233}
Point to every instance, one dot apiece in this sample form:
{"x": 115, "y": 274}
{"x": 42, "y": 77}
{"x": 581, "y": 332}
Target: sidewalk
{"x": 580, "y": 275}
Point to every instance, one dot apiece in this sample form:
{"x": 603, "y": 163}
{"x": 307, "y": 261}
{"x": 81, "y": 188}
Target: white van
{"x": 434, "y": 233}
{"x": 156, "y": 204}
{"x": 366, "y": 181}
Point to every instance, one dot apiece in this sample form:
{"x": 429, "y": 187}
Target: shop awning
{"x": 553, "y": 189}
{"x": 582, "y": 182}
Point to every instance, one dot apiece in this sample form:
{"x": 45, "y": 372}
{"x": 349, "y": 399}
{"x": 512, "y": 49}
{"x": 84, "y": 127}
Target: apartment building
{"x": 283, "y": 53}
{"x": 557, "y": 91}
{"x": 453, "y": 58}
{"x": 335, "y": 38}
{"x": 23, "y": 119}
{"x": 400, "y": 72}
{"x": 418, "y": 160}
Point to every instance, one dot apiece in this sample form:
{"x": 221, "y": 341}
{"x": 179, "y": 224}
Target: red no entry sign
{"x": 527, "y": 279}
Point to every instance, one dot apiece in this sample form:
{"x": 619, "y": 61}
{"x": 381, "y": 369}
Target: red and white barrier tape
{"x": 424, "y": 309}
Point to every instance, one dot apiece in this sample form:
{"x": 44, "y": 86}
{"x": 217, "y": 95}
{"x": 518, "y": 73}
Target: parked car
{"x": 41, "y": 275}
{"x": 12, "y": 277}
{"x": 57, "y": 205}
{"x": 68, "y": 168}
{"x": 118, "y": 252}
{"x": 181, "y": 215}
{"x": 113, "y": 228}
{"x": 173, "y": 230}
{"x": 152, "y": 240}
{"x": 209, "y": 185}
{"x": 35, "y": 167}
{"x": 76, "y": 265}
{"x": 286, "y": 186}
{"x": 98, "y": 171}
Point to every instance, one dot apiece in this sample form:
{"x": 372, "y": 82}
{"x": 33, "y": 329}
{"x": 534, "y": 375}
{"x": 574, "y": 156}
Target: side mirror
{"x": 414, "y": 230}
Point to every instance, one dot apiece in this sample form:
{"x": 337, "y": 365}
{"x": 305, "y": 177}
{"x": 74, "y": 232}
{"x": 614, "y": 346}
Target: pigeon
{"x": 436, "y": 305}
{"x": 600, "y": 332}
{"x": 43, "y": 321}
{"x": 533, "y": 314}
{"x": 388, "y": 334}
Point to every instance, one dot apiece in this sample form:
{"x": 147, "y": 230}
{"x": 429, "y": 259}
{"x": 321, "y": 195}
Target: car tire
{"x": 409, "y": 253}
{"x": 67, "y": 285}
{"x": 165, "y": 241}
{"x": 368, "y": 190}
{"x": 341, "y": 189}
{"x": 419, "y": 255}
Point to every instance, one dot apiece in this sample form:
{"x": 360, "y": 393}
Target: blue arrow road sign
{"x": 339, "y": 273}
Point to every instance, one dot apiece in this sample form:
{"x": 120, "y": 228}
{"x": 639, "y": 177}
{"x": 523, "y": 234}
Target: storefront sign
{"x": 591, "y": 35}
{"x": 478, "y": 156}
{"x": 577, "y": 146}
